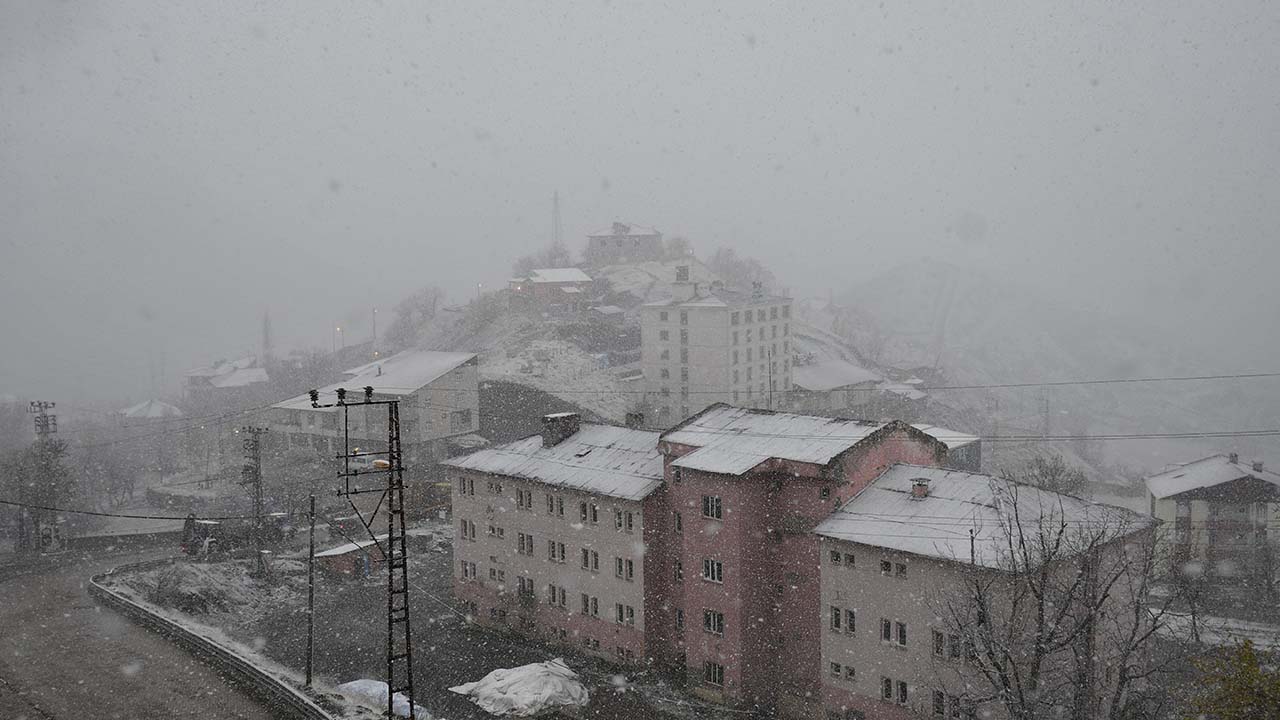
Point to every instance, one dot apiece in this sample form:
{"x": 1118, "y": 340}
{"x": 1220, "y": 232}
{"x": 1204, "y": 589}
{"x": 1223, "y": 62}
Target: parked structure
{"x": 710, "y": 344}
{"x": 623, "y": 243}
{"x": 439, "y": 400}
{"x": 890, "y": 554}
{"x": 1222, "y": 512}
{"x": 579, "y": 504}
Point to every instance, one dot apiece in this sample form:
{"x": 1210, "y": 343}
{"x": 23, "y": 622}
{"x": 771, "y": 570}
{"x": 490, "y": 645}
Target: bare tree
{"x": 1057, "y": 622}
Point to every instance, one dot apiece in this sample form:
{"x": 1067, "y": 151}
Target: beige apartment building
{"x": 551, "y": 534}
{"x": 710, "y": 344}
{"x": 893, "y": 557}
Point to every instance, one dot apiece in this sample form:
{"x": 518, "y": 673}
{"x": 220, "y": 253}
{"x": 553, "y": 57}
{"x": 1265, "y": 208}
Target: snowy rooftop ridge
{"x": 401, "y": 374}
{"x": 151, "y": 409}
{"x": 951, "y": 438}
{"x": 831, "y": 374}
{"x": 733, "y": 439}
{"x": 558, "y": 275}
{"x": 886, "y": 515}
{"x": 1205, "y": 473}
{"x": 602, "y": 459}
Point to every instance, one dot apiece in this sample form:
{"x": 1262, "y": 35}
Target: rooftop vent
{"x": 558, "y": 427}
{"x": 919, "y": 488}
{"x": 1233, "y": 457}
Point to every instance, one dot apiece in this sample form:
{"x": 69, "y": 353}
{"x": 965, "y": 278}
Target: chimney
{"x": 559, "y": 426}
{"x": 919, "y": 488}
{"x": 635, "y": 420}
{"x": 1257, "y": 466}
{"x": 1233, "y": 458}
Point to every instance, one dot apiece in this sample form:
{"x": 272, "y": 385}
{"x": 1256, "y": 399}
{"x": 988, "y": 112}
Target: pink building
{"x": 746, "y": 489}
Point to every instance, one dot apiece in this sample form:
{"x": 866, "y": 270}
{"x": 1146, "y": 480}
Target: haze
{"x": 169, "y": 172}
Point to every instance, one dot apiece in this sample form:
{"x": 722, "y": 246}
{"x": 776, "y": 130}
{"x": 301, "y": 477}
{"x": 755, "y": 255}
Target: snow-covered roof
{"x": 738, "y": 436}
{"x": 223, "y": 367}
{"x": 885, "y": 515}
{"x": 830, "y": 374}
{"x": 601, "y": 459}
{"x": 1204, "y": 473}
{"x": 559, "y": 275}
{"x": 571, "y": 290}
{"x": 401, "y": 374}
{"x": 951, "y": 438}
{"x": 608, "y": 309}
{"x": 720, "y": 297}
{"x": 351, "y": 547}
{"x": 240, "y": 377}
{"x": 624, "y": 229}
{"x": 903, "y": 389}
{"x": 151, "y": 409}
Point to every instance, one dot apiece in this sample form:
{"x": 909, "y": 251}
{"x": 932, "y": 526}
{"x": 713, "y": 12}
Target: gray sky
{"x": 170, "y": 170}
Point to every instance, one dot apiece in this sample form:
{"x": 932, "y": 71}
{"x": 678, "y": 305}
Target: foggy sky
{"x": 170, "y": 171}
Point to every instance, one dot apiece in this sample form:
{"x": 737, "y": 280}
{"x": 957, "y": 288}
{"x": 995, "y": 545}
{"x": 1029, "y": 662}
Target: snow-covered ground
{"x": 562, "y": 369}
{"x": 1223, "y": 632}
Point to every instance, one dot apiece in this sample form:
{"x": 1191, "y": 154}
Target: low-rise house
{"x": 1221, "y": 512}
{"x": 226, "y": 384}
{"x": 552, "y": 532}
{"x": 899, "y": 561}
{"x": 623, "y": 243}
{"x": 439, "y": 400}
{"x": 565, "y": 290}
{"x": 829, "y": 385}
{"x": 964, "y": 451}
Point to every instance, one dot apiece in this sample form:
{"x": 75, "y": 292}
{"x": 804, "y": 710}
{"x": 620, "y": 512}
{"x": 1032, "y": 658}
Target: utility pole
{"x": 311, "y": 591}
{"x": 399, "y": 637}
{"x": 46, "y": 425}
{"x": 251, "y": 475}
{"x": 555, "y": 218}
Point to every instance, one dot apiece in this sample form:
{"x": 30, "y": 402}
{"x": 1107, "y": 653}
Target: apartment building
{"x": 710, "y": 344}
{"x": 745, "y": 490}
{"x": 552, "y": 532}
{"x": 1222, "y": 512}
{"x": 439, "y": 399}
{"x": 892, "y": 556}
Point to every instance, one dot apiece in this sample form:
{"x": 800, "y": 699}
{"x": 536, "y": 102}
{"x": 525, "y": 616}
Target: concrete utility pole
{"x": 251, "y": 475}
{"x": 311, "y": 591}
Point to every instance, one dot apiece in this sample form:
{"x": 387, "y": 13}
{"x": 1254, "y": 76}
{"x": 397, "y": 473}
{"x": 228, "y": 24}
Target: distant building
{"x": 623, "y": 243}
{"x": 226, "y": 384}
{"x": 552, "y": 290}
{"x": 964, "y": 451}
{"x": 1221, "y": 512}
{"x": 829, "y": 385}
{"x": 439, "y": 400}
{"x": 913, "y": 535}
{"x": 710, "y": 344}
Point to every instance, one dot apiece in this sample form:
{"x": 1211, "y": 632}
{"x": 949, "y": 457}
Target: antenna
{"x": 556, "y": 232}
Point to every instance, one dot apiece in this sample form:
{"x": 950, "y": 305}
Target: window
{"x": 786, "y": 311}
{"x": 886, "y": 567}
{"x": 679, "y": 619}
{"x": 711, "y": 507}
{"x": 617, "y": 519}
{"x": 631, "y": 615}
{"x": 525, "y": 544}
{"x": 902, "y": 692}
{"x": 684, "y": 317}
{"x": 629, "y": 522}
{"x": 460, "y": 420}
{"x": 684, "y": 355}
{"x": 662, "y": 316}
{"x": 617, "y": 567}
{"x": 886, "y": 688}
{"x": 586, "y": 604}
{"x": 679, "y": 571}
{"x": 886, "y": 630}
{"x": 773, "y": 313}
{"x": 848, "y": 559}
{"x": 524, "y": 586}
{"x": 713, "y": 622}
{"x": 684, "y": 377}
{"x": 524, "y": 499}
{"x": 849, "y": 673}
{"x": 595, "y": 513}
{"x": 586, "y": 559}
{"x": 850, "y": 621}
{"x": 953, "y": 646}
{"x": 582, "y": 511}
{"x": 713, "y": 673}
{"x": 617, "y": 611}
{"x": 733, "y": 318}
{"x": 684, "y": 337}
{"x": 712, "y": 570}
{"x": 595, "y": 606}
{"x": 939, "y": 644}
{"x": 631, "y": 570}
{"x": 747, "y": 316}
{"x": 902, "y": 633}
{"x": 900, "y": 569}
{"x": 837, "y": 670}
{"x": 664, "y": 373}
{"x": 679, "y": 522}
{"x": 939, "y": 703}
{"x": 835, "y": 557}
{"x": 824, "y": 493}
{"x": 555, "y": 551}
{"x": 665, "y": 354}
{"x": 551, "y": 504}
{"x": 735, "y": 339}
{"x": 836, "y": 616}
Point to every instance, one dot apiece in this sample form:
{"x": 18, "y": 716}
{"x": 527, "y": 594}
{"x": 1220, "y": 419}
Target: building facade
{"x": 1220, "y": 512}
{"x": 710, "y": 344}
{"x": 552, "y": 531}
{"x": 439, "y": 399}
{"x": 623, "y": 243}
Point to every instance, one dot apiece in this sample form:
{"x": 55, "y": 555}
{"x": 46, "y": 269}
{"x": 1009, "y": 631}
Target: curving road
{"x": 64, "y": 656}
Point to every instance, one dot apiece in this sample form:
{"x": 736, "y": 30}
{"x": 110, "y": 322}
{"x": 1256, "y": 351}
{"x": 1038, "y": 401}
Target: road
{"x": 64, "y": 656}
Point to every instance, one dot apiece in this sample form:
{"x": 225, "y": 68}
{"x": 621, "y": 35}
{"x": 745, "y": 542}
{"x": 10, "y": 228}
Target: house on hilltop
{"x": 622, "y": 243}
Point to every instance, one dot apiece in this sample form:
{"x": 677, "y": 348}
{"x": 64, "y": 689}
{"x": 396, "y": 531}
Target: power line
{"x": 94, "y": 513}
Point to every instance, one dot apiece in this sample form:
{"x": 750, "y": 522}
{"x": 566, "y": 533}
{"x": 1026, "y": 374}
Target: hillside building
{"x": 439, "y": 400}
{"x": 709, "y": 344}
{"x": 1220, "y": 512}
{"x": 623, "y": 243}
